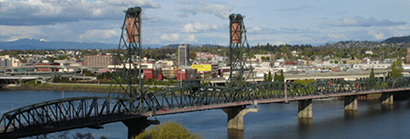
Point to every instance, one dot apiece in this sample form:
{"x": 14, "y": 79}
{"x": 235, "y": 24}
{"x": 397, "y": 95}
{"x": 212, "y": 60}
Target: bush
{"x": 168, "y": 130}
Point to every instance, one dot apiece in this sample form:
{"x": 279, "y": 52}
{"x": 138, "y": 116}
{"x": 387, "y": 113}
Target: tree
{"x": 278, "y": 55}
{"x": 397, "y": 68}
{"x": 265, "y": 77}
{"x": 276, "y": 77}
{"x": 192, "y": 55}
{"x": 62, "y": 58}
{"x": 372, "y": 73}
{"x": 168, "y": 130}
{"x": 269, "y": 78}
{"x": 281, "y": 76}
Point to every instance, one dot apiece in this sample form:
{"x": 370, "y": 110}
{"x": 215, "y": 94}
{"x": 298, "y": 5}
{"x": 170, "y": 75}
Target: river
{"x": 372, "y": 120}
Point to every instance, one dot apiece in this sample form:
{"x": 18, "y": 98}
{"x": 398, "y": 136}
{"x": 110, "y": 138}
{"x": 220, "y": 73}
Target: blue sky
{"x": 205, "y": 22}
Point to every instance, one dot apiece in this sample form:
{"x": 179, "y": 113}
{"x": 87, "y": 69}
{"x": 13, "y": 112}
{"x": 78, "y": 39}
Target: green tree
{"x": 168, "y": 130}
{"x": 276, "y": 79}
{"x": 281, "y": 76}
{"x": 397, "y": 68}
{"x": 372, "y": 73}
{"x": 62, "y": 58}
{"x": 192, "y": 55}
{"x": 265, "y": 77}
{"x": 269, "y": 78}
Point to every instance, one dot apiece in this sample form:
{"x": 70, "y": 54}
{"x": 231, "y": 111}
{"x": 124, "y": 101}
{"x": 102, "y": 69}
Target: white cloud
{"x": 279, "y": 43}
{"x": 198, "y": 27}
{"x": 191, "y": 38}
{"x": 142, "y": 3}
{"x": 170, "y": 37}
{"x": 255, "y": 30}
{"x": 220, "y": 10}
{"x": 376, "y": 34}
{"x": 360, "y": 21}
{"x": 99, "y": 34}
{"x": 19, "y": 32}
{"x": 336, "y": 36}
{"x": 46, "y": 12}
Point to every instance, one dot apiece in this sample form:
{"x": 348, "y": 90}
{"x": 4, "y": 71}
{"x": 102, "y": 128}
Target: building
{"x": 152, "y": 74}
{"x": 8, "y": 61}
{"x": 207, "y": 69}
{"x": 183, "y": 74}
{"x": 100, "y": 61}
{"x": 169, "y": 72}
{"x": 183, "y": 55}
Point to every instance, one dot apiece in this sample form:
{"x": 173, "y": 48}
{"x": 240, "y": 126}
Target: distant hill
{"x": 402, "y": 39}
{"x": 24, "y": 44}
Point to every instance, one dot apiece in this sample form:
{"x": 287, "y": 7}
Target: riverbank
{"x": 61, "y": 87}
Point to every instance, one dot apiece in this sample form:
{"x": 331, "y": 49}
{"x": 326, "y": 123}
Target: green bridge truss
{"x": 70, "y": 113}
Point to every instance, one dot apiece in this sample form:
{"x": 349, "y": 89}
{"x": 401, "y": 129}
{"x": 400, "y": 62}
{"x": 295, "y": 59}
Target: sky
{"x": 206, "y": 22}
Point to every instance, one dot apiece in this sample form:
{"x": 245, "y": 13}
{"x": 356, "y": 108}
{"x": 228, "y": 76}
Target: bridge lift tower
{"x": 129, "y": 53}
{"x": 238, "y": 53}
{"x": 129, "y": 58}
{"x": 240, "y": 73}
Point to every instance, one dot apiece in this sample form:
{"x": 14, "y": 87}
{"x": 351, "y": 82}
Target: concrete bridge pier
{"x": 387, "y": 98}
{"x": 235, "y": 116}
{"x": 137, "y": 125}
{"x": 351, "y": 103}
{"x": 305, "y": 109}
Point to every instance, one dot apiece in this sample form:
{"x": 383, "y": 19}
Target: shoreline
{"x": 69, "y": 88}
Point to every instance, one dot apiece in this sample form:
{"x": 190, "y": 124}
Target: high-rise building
{"x": 183, "y": 55}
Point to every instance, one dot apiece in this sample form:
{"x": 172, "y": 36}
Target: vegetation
{"x": 303, "y": 82}
{"x": 397, "y": 68}
{"x": 279, "y": 78}
{"x": 371, "y": 73}
{"x": 402, "y": 39}
{"x": 268, "y": 78}
{"x": 168, "y": 130}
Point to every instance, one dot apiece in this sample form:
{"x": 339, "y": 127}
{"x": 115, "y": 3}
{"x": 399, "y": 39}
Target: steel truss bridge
{"x": 93, "y": 112}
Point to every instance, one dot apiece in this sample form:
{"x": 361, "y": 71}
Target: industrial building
{"x": 100, "y": 60}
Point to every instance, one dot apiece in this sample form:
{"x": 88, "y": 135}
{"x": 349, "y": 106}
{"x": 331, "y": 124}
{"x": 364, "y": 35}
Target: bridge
{"x": 93, "y": 112}
{"x": 135, "y": 105}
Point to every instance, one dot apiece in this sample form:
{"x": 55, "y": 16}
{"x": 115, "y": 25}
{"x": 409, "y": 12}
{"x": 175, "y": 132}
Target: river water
{"x": 372, "y": 120}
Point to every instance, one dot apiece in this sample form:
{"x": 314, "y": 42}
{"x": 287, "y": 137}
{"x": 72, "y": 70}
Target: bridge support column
{"x": 137, "y": 126}
{"x": 387, "y": 98}
{"x": 351, "y": 103}
{"x": 235, "y": 116}
{"x": 305, "y": 109}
